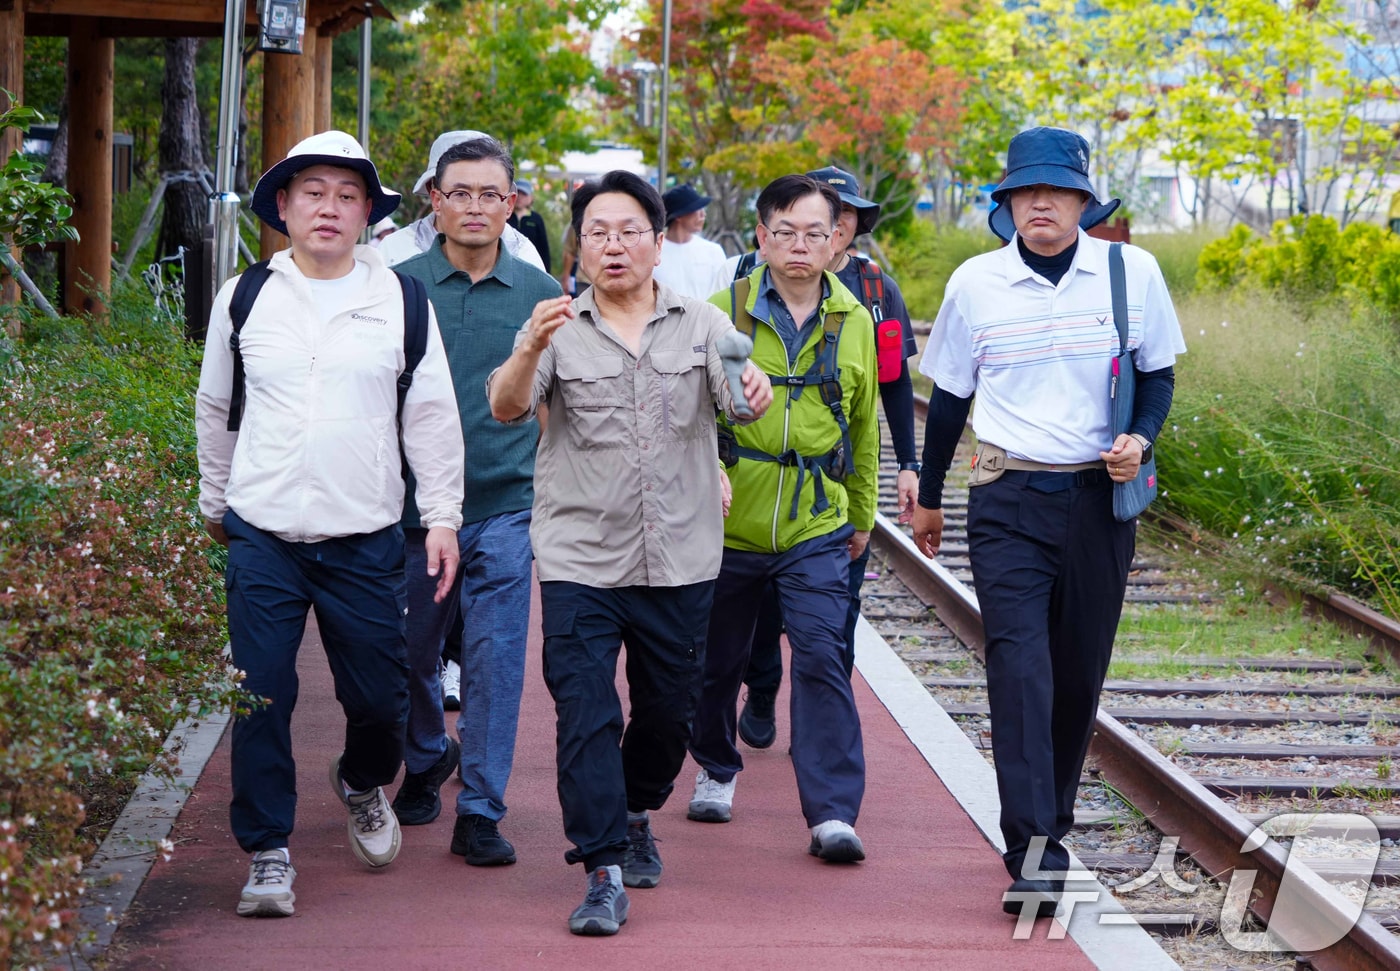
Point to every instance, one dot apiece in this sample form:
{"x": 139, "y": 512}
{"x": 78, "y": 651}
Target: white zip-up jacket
{"x": 317, "y": 456}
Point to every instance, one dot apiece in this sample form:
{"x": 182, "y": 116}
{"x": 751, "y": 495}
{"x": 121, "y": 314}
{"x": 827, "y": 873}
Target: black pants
{"x": 1050, "y": 565}
{"x": 603, "y": 772}
{"x": 356, "y": 586}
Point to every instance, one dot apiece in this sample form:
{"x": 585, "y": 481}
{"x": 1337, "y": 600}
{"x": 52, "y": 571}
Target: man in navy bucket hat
{"x": 1029, "y": 330}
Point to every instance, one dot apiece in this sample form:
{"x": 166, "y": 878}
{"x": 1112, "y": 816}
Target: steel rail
{"x": 1210, "y": 831}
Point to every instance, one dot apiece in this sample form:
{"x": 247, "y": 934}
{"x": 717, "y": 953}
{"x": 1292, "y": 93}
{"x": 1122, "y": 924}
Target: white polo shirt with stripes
{"x": 1039, "y": 356}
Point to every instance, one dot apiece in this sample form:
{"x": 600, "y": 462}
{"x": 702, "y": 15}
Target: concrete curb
{"x": 972, "y": 781}
{"x": 120, "y": 865}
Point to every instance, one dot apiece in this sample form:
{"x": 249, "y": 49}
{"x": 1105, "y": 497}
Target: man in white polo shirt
{"x": 1029, "y": 330}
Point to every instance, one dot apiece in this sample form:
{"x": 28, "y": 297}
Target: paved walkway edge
{"x": 972, "y": 781}
{"x": 120, "y": 865}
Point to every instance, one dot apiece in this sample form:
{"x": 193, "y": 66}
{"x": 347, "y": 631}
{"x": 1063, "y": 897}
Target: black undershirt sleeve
{"x": 1152, "y": 401}
{"x": 947, "y": 418}
{"x": 897, "y": 398}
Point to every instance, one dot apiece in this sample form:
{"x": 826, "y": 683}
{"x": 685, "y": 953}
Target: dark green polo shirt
{"x": 479, "y": 322}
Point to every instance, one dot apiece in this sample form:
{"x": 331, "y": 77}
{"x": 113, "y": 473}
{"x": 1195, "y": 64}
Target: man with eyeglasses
{"x": 482, "y": 294}
{"x": 804, "y": 489}
{"x": 894, "y": 337}
{"x": 627, "y": 529}
{"x": 418, "y": 235}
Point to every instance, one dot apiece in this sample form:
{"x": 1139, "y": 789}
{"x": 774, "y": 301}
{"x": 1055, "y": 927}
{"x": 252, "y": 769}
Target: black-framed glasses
{"x": 598, "y": 238}
{"x": 787, "y": 237}
{"x": 462, "y": 199}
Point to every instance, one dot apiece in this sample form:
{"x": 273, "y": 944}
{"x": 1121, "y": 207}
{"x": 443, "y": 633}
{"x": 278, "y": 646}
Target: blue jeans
{"x": 493, "y": 590}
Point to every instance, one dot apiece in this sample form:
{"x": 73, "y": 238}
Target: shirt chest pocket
{"x": 595, "y": 402}
{"x": 682, "y": 388}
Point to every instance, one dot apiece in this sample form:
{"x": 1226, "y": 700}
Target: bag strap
{"x": 872, "y": 286}
{"x": 415, "y": 345}
{"x": 245, "y": 294}
{"x": 1118, "y": 284}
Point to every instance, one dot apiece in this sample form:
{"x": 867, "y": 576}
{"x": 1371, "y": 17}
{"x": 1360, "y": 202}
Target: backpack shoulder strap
{"x": 245, "y": 294}
{"x": 872, "y": 287}
{"x": 739, "y": 305}
{"x": 415, "y": 344}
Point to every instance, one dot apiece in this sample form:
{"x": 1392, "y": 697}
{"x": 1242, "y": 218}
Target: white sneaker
{"x": 451, "y": 686}
{"x": 373, "y": 827}
{"x": 836, "y": 842}
{"x": 268, "y": 892}
{"x": 712, "y": 800}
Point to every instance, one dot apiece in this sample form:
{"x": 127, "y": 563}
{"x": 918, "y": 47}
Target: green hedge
{"x": 112, "y": 624}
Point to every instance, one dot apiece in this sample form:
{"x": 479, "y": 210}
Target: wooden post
{"x": 325, "y": 45}
{"x": 289, "y": 98}
{"x": 12, "y": 80}
{"x": 89, "y": 261}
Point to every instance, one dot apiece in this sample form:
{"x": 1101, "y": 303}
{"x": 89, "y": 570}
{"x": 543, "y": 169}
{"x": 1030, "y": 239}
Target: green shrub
{"x": 112, "y": 627}
{"x": 1178, "y": 254}
{"x": 1281, "y": 438}
{"x": 925, "y": 256}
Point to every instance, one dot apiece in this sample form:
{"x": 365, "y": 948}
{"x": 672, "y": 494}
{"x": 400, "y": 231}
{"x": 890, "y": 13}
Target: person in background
{"x": 1029, "y": 331}
{"x": 529, "y": 222}
{"x": 690, "y": 264}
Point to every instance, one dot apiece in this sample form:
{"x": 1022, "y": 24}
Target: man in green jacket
{"x": 804, "y": 492}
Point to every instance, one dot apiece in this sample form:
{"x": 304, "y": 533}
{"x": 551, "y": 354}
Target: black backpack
{"x": 415, "y": 337}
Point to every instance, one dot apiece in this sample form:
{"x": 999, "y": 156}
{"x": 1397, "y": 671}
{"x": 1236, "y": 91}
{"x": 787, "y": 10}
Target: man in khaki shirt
{"x": 627, "y": 526}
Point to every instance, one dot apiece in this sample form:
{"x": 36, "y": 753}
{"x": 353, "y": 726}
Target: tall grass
{"x": 1282, "y": 438}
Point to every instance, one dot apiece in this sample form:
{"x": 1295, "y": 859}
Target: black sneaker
{"x": 477, "y": 838}
{"x": 417, "y": 802}
{"x": 604, "y": 909}
{"x": 758, "y": 726}
{"x": 641, "y": 867}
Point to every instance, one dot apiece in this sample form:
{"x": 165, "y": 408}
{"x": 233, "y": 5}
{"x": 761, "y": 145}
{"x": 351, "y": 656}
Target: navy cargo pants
{"x": 811, "y": 581}
{"x": 1050, "y": 567}
{"x": 356, "y": 586}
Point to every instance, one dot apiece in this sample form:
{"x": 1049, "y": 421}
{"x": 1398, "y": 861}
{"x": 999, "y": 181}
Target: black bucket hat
{"x": 1047, "y": 156}
{"x": 325, "y": 148}
{"x": 682, "y": 201}
{"x": 848, "y": 189}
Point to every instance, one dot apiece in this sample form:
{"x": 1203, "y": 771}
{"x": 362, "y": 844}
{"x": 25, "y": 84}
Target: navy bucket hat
{"x": 848, "y": 189}
{"x": 682, "y": 201}
{"x": 1047, "y": 156}
{"x": 325, "y": 148}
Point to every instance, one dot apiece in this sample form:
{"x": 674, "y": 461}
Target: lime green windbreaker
{"x": 759, "y": 517}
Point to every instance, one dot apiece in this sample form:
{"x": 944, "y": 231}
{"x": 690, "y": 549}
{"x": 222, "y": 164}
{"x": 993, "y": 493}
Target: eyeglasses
{"x": 629, "y": 238}
{"x": 462, "y": 199}
{"x": 786, "y": 237}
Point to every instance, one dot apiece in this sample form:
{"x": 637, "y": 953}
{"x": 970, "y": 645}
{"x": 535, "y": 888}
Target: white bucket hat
{"x": 441, "y": 144}
{"x": 325, "y": 148}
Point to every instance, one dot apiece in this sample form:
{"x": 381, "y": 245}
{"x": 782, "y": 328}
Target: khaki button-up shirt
{"x": 627, "y": 489}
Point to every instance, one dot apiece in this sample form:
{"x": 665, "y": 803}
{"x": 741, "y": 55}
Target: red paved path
{"x": 742, "y": 895}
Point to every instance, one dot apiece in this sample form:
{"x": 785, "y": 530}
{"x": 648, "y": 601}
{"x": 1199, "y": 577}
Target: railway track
{"x": 1204, "y": 761}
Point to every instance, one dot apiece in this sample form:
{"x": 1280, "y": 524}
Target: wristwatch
{"x": 1146, "y": 444}
{"x": 915, "y": 467}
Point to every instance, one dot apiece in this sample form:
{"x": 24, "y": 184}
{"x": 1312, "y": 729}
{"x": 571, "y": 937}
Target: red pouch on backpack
{"x": 889, "y": 350}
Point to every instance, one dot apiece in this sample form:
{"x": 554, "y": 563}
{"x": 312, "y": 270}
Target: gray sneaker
{"x": 373, "y": 827}
{"x": 604, "y": 908}
{"x": 268, "y": 892}
{"x": 641, "y": 867}
{"x": 713, "y": 801}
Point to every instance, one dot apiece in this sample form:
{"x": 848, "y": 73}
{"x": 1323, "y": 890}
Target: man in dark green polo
{"x": 482, "y": 295}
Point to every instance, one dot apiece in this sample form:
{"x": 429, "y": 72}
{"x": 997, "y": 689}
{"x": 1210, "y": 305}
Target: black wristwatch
{"x": 1145, "y": 442}
{"x": 915, "y": 467}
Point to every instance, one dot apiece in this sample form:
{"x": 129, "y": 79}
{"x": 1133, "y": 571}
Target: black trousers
{"x": 1050, "y": 565}
{"x": 603, "y": 772}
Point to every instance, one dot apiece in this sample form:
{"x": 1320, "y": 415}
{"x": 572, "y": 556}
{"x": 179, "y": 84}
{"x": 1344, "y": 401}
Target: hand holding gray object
{"x": 734, "y": 349}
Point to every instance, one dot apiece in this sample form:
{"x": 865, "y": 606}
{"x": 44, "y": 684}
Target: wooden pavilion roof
{"x": 180, "y": 18}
